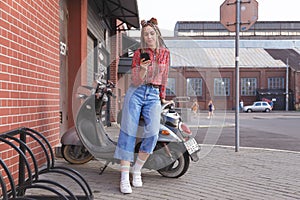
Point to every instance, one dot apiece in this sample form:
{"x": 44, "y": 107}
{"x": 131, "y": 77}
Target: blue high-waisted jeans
{"x": 143, "y": 100}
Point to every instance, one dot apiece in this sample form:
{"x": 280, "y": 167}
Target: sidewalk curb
{"x": 250, "y": 148}
{"x": 277, "y": 117}
{"x": 211, "y": 126}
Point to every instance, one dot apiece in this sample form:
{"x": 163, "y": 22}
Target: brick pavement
{"x": 221, "y": 173}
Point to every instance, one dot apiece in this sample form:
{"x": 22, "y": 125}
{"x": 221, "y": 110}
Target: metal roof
{"x": 217, "y": 26}
{"x": 221, "y": 53}
{"x": 222, "y": 57}
{"x": 265, "y": 29}
{"x": 129, "y": 43}
{"x": 288, "y": 56}
{"x": 124, "y": 10}
{"x": 268, "y": 44}
{"x": 215, "y": 58}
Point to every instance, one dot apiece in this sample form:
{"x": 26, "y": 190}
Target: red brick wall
{"x": 116, "y": 41}
{"x": 29, "y": 68}
{"x": 297, "y": 90}
{"x": 208, "y": 75}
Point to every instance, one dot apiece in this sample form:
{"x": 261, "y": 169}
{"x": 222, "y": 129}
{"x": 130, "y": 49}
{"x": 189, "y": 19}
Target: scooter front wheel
{"x": 75, "y": 154}
{"x": 180, "y": 164}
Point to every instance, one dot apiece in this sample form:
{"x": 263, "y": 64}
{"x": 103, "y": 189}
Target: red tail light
{"x": 183, "y": 127}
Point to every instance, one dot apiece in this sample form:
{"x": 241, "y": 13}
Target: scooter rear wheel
{"x": 180, "y": 166}
{"x": 75, "y": 154}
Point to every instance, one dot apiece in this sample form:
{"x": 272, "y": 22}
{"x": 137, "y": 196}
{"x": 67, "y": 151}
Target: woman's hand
{"x": 144, "y": 67}
{"x": 145, "y": 63}
{"x": 163, "y": 101}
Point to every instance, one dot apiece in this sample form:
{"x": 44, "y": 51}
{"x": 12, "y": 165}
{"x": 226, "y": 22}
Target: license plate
{"x": 191, "y": 145}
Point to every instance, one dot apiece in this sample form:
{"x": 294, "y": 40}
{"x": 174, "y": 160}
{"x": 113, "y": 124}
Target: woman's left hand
{"x": 163, "y": 101}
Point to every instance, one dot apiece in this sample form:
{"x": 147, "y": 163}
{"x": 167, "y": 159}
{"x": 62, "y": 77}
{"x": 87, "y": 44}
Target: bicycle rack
{"x": 33, "y": 179}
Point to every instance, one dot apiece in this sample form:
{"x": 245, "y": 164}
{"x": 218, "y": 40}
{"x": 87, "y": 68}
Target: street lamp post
{"x": 237, "y": 75}
{"x": 228, "y": 19}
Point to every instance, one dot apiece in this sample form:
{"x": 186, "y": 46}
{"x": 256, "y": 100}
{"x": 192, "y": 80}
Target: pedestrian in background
{"x": 271, "y": 104}
{"x": 241, "y": 105}
{"x": 195, "y": 106}
{"x": 211, "y": 109}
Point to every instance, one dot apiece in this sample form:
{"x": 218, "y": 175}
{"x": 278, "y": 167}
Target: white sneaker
{"x": 137, "y": 179}
{"x": 125, "y": 187}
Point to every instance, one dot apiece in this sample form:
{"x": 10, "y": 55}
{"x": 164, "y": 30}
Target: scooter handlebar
{"x": 168, "y": 103}
{"x": 110, "y": 93}
{"x": 110, "y": 84}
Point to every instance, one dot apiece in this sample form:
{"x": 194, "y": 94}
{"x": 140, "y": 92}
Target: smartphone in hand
{"x": 146, "y": 56}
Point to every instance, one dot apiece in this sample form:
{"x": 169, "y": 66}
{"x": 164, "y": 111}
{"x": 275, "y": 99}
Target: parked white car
{"x": 258, "y": 106}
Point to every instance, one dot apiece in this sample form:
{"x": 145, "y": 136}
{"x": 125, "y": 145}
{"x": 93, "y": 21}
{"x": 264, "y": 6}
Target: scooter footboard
{"x": 90, "y": 131}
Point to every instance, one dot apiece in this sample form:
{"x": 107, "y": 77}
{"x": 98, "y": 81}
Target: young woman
{"x": 195, "y": 106}
{"x": 150, "y": 68}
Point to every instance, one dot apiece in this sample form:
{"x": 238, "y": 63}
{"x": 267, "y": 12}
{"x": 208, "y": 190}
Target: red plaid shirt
{"x": 157, "y": 72}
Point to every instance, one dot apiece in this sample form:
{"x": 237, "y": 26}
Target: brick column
{"x": 77, "y": 42}
{"x": 114, "y": 62}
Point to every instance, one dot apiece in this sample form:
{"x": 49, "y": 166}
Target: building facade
{"x": 47, "y": 50}
{"x": 203, "y": 55}
{"x": 203, "y": 63}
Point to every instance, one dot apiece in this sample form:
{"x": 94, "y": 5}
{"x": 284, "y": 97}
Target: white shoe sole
{"x": 125, "y": 188}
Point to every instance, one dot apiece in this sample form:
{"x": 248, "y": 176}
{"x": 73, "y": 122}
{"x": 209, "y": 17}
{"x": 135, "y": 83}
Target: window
{"x": 257, "y": 104}
{"x": 222, "y": 87}
{"x": 171, "y": 91}
{"x": 90, "y": 67}
{"x": 276, "y": 83}
{"x": 194, "y": 86}
{"x": 248, "y": 86}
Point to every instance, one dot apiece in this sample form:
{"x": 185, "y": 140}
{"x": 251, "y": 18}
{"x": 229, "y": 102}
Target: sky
{"x": 168, "y": 12}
